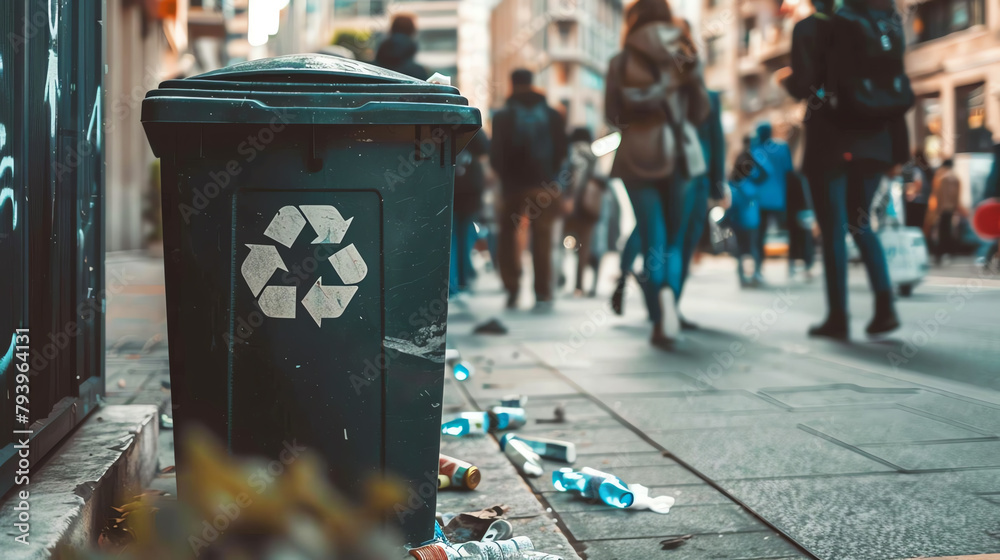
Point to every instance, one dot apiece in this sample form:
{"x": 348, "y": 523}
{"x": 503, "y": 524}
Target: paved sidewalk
{"x": 869, "y": 450}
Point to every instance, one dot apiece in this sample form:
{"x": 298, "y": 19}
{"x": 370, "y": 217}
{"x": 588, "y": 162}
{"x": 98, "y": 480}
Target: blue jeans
{"x": 695, "y": 204}
{"x": 660, "y": 222}
{"x": 843, "y": 200}
{"x": 462, "y": 240}
{"x": 696, "y": 212}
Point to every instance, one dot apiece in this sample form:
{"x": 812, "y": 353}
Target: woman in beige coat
{"x": 656, "y": 96}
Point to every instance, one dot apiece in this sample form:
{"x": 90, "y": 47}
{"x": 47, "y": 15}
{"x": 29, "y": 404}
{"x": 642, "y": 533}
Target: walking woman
{"x": 851, "y": 142}
{"x": 656, "y": 95}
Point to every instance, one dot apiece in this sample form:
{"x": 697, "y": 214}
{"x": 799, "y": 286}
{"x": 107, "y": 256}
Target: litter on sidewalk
{"x": 465, "y": 423}
{"x": 527, "y": 461}
{"x": 481, "y": 423}
{"x": 455, "y": 473}
{"x": 594, "y": 485}
{"x": 493, "y": 326}
{"x": 546, "y": 448}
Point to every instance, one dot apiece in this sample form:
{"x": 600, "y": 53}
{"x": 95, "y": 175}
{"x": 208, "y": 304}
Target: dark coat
{"x": 398, "y": 53}
{"x": 656, "y": 96}
{"x": 502, "y": 150}
{"x": 470, "y": 178}
{"x": 992, "y": 188}
{"x": 811, "y": 40}
{"x": 713, "y": 145}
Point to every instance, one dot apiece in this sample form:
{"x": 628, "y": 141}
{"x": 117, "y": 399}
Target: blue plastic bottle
{"x": 465, "y": 423}
{"x": 594, "y": 484}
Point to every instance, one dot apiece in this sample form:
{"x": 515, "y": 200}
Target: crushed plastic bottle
{"x": 595, "y": 485}
{"x": 509, "y": 418}
{"x": 465, "y": 423}
{"x": 526, "y": 460}
{"x": 510, "y": 549}
{"x": 546, "y": 448}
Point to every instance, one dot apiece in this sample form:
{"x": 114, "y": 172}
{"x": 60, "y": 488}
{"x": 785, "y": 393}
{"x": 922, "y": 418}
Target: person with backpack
{"x": 527, "y": 153}
{"x": 656, "y": 96}
{"x": 470, "y": 181}
{"x": 849, "y": 66}
{"x": 398, "y": 51}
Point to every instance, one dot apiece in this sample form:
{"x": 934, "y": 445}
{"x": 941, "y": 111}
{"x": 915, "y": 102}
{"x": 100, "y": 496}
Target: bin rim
{"x": 295, "y": 67}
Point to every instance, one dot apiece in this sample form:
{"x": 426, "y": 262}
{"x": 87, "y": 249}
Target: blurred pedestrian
{"x": 528, "y": 149}
{"x": 774, "y": 156}
{"x": 743, "y": 215}
{"x": 917, "y": 182}
{"x": 853, "y": 142}
{"x": 656, "y": 95}
{"x": 800, "y": 219}
{"x": 708, "y": 185}
{"x": 991, "y": 249}
{"x": 398, "y": 51}
{"x": 469, "y": 186}
{"x": 588, "y": 191}
{"x": 944, "y": 209}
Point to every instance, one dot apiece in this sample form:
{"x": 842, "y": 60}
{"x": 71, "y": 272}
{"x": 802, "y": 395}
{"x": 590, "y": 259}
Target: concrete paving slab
{"x": 734, "y": 454}
{"x": 861, "y": 427}
{"x": 957, "y": 455}
{"x": 758, "y": 545}
{"x": 638, "y": 383}
{"x": 875, "y": 517}
{"x": 105, "y": 462}
{"x": 840, "y": 394}
{"x": 618, "y": 524}
{"x": 979, "y": 414}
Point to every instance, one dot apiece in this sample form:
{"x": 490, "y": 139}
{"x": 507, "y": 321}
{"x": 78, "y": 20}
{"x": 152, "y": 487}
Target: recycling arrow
{"x": 349, "y": 265}
{"x": 286, "y": 226}
{"x": 329, "y": 225}
{"x": 327, "y": 302}
{"x": 259, "y": 265}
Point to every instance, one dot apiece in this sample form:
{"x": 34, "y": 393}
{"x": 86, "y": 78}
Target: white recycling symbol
{"x": 322, "y": 302}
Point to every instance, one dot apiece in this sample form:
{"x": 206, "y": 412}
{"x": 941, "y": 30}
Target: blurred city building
{"x": 567, "y": 43}
{"x": 150, "y": 41}
{"x": 953, "y": 61}
{"x": 453, "y": 37}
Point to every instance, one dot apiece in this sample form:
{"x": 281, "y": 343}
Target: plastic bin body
{"x": 290, "y": 324}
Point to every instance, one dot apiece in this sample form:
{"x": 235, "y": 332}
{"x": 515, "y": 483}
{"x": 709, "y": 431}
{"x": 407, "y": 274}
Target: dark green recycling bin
{"x": 306, "y": 219}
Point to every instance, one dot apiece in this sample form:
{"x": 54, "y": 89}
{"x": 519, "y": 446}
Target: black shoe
{"x": 511, "y": 300}
{"x": 617, "y": 298}
{"x": 885, "y": 319}
{"x": 663, "y": 342}
{"x": 834, "y": 327}
{"x": 688, "y": 325}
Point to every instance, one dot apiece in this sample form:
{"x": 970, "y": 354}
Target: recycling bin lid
{"x": 308, "y": 89}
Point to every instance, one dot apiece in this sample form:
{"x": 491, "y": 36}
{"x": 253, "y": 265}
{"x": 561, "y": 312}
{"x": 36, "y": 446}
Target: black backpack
{"x": 868, "y": 82}
{"x": 532, "y": 142}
